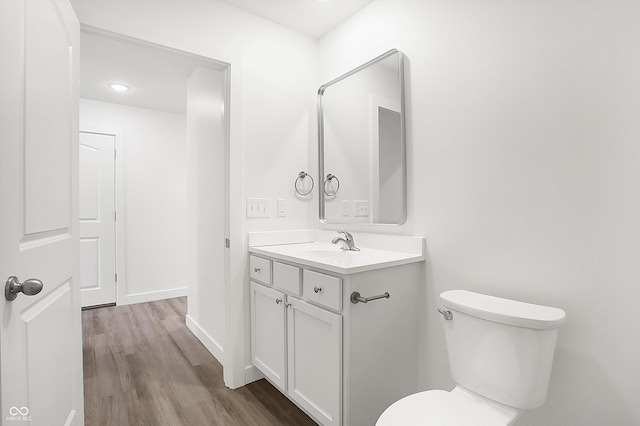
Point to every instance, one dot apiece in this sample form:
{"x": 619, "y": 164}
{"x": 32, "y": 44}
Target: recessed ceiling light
{"x": 118, "y": 87}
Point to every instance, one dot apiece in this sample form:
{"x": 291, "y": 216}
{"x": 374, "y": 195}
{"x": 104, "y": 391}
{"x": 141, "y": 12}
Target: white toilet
{"x": 500, "y": 352}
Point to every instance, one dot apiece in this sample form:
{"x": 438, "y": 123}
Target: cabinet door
{"x": 315, "y": 360}
{"x": 268, "y": 336}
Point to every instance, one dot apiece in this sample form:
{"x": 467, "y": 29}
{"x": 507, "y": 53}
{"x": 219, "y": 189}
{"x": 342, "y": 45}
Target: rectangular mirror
{"x": 361, "y": 142}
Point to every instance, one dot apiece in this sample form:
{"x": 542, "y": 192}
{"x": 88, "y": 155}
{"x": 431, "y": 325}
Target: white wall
{"x": 277, "y": 85}
{"x": 272, "y": 112}
{"x": 523, "y": 162}
{"x": 154, "y": 213}
{"x": 206, "y": 209}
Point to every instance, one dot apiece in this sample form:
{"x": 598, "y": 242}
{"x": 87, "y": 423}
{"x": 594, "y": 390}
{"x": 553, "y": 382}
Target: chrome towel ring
{"x": 329, "y": 178}
{"x": 299, "y": 180}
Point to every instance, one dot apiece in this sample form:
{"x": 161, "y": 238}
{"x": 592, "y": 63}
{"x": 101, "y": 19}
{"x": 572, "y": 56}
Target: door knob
{"x": 29, "y": 287}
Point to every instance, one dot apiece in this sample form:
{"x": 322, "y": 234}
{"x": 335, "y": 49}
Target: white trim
{"x": 237, "y": 269}
{"x": 252, "y": 374}
{"x": 212, "y": 346}
{"x": 151, "y": 296}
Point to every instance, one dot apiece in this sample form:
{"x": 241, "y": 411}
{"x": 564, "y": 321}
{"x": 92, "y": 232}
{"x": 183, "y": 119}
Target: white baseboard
{"x": 252, "y": 374}
{"x": 151, "y": 296}
{"x": 208, "y": 342}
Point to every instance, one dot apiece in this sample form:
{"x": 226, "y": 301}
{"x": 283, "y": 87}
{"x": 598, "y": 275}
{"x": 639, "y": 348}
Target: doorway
{"x": 172, "y": 185}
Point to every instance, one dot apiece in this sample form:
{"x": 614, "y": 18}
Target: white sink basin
{"x": 331, "y": 257}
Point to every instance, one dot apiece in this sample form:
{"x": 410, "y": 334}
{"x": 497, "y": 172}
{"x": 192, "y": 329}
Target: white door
{"x": 315, "y": 360}
{"x": 40, "y": 335}
{"x": 97, "y": 219}
{"x": 268, "y": 333}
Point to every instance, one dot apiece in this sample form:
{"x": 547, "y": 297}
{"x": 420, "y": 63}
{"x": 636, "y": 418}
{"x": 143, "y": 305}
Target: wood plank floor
{"x": 142, "y": 366}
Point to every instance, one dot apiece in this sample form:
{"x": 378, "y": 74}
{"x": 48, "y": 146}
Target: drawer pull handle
{"x": 317, "y": 290}
{"x": 256, "y": 269}
{"x": 278, "y": 301}
{"x": 356, "y": 298}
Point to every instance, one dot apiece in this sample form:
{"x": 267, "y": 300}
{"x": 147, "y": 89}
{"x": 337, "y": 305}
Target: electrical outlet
{"x": 346, "y": 208}
{"x": 282, "y": 208}
{"x": 258, "y": 207}
{"x": 361, "y": 208}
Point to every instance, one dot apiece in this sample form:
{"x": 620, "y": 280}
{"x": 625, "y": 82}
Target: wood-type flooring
{"x": 142, "y": 366}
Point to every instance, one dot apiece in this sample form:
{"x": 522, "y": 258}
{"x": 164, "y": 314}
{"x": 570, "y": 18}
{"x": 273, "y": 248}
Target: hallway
{"x": 143, "y": 366}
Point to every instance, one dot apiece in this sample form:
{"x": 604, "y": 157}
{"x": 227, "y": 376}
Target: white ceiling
{"x": 158, "y": 80}
{"x": 312, "y": 17}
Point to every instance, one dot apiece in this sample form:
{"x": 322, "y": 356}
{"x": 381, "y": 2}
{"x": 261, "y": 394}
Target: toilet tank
{"x": 499, "y": 348}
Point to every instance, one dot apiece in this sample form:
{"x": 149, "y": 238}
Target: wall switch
{"x": 258, "y": 207}
{"x": 346, "y": 208}
{"x": 361, "y": 208}
{"x": 282, "y": 207}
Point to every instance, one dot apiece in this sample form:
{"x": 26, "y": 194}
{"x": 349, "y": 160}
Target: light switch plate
{"x": 361, "y": 208}
{"x": 258, "y": 207}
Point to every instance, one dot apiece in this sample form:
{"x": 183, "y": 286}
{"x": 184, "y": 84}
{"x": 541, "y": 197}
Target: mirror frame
{"x": 321, "y": 172}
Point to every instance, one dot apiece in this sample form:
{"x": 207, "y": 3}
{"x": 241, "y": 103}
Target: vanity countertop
{"x": 331, "y": 257}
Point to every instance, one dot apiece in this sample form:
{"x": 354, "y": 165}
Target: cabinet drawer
{"x": 260, "y": 269}
{"x": 287, "y": 278}
{"x": 322, "y": 289}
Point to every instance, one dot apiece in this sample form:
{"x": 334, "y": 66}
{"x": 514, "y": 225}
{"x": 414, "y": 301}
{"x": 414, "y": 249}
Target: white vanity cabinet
{"x": 341, "y": 362}
{"x": 296, "y": 345}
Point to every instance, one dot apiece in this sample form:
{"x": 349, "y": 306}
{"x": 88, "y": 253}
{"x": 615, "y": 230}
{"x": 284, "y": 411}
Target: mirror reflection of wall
{"x": 362, "y": 143}
{"x": 390, "y": 179}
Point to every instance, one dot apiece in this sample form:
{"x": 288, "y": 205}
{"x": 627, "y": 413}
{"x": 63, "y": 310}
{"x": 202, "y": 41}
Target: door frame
{"x": 231, "y": 65}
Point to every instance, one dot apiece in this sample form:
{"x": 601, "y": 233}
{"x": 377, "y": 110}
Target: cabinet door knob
{"x": 278, "y": 301}
{"x": 317, "y": 289}
{"x": 256, "y": 269}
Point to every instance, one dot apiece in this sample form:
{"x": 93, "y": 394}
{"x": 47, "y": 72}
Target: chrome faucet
{"x": 347, "y": 241}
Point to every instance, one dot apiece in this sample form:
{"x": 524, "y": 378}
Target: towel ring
{"x": 301, "y": 176}
{"x": 329, "y": 178}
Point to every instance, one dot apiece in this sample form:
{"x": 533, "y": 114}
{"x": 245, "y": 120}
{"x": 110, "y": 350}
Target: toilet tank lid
{"x": 504, "y": 311}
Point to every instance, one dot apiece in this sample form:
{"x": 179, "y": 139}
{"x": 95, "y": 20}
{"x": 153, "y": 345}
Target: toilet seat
{"x": 440, "y": 408}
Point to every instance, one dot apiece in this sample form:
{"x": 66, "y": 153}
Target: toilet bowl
{"x": 500, "y": 352}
